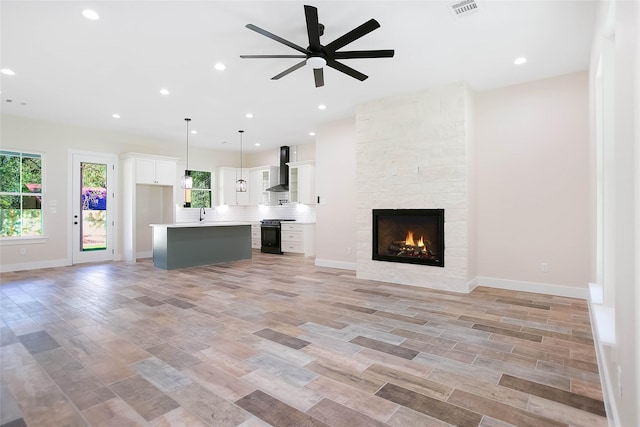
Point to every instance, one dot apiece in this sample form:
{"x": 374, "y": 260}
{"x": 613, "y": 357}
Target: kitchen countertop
{"x": 202, "y": 224}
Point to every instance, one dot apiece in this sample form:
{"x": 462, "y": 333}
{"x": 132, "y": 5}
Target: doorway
{"x": 93, "y": 205}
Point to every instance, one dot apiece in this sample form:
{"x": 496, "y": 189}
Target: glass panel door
{"x": 92, "y": 207}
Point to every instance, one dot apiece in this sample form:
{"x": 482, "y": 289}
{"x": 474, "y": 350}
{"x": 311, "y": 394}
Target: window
{"x": 20, "y": 194}
{"x": 201, "y": 192}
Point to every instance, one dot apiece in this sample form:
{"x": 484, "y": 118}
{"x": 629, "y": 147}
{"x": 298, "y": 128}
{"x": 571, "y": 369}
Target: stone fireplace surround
{"x": 415, "y": 151}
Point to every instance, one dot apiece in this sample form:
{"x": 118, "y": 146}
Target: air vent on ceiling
{"x": 463, "y": 8}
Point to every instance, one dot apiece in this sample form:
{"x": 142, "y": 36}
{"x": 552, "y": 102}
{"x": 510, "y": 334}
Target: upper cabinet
{"x": 155, "y": 170}
{"x": 147, "y": 196}
{"x": 302, "y": 186}
{"x": 262, "y": 178}
{"x": 226, "y": 193}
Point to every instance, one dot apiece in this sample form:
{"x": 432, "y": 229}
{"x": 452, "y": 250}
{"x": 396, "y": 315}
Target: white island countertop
{"x": 202, "y": 224}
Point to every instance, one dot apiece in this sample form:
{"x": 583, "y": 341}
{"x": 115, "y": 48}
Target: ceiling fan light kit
{"x": 316, "y": 55}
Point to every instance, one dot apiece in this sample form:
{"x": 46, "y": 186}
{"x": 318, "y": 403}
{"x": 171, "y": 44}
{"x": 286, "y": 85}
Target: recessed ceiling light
{"x": 322, "y": 107}
{"x": 312, "y": 134}
{"x": 194, "y": 131}
{"x": 220, "y": 66}
{"x": 249, "y": 116}
{"x": 257, "y": 144}
{"x": 8, "y": 72}
{"x": 519, "y": 61}
{"x": 164, "y": 91}
{"x": 115, "y": 116}
{"x": 90, "y": 14}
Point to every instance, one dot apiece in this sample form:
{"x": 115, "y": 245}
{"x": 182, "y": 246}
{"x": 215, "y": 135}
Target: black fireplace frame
{"x": 437, "y": 214}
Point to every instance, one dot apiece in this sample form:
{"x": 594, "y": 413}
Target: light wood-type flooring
{"x": 278, "y": 341}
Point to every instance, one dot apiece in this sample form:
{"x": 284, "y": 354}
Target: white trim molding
{"x": 538, "y": 288}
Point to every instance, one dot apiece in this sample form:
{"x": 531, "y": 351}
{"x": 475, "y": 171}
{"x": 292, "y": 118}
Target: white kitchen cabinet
{"x": 226, "y": 193}
{"x": 155, "y": 170}
{"x": 302, "y": 188}
{"x": 256, "y": 236}
{"x": 298, "y": 238}
{"x": 260, "y": 179}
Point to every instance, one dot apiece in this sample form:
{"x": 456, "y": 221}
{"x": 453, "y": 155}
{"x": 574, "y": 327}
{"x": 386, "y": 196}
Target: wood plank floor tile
{"x": 281, "y": 338}
{"x": 219, "y": 381}
{"x": 562, "y": 396}
{"x": 564, "y": 414}
{"x": 335, "y": 414}
{"x": 300, "y": 398}
{"x": 419, "y": 384}
{"x": 36, "y": 342}
{"x": 395, "y": 350}
{"x": 427, "y": 405}
{"x": 209, "y": 407}
{"x": 501, "y": 411}
{"x": 356, "y": 399}
{"x": 346, "y": 376}
{"x": 508, "y": 332}
{"x": 276, "y": 412}
{"x": 478, "y": 387}
{"x": 405, "y": 417}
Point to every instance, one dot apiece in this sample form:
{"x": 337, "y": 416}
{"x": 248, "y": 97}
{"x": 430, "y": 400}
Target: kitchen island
{"x": 190, "y": 244}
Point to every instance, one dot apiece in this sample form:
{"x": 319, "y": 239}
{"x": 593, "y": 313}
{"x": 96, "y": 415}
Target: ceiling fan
{"x": 317, "y": 56}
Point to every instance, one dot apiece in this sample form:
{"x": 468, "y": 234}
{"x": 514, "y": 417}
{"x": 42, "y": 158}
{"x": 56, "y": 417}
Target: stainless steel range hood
{"x": 283, "y": 185}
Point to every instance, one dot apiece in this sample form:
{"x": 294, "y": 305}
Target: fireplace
{"x": 414, "y": 236}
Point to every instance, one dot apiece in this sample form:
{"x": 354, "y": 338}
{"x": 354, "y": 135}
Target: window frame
{"x": 31, "y": 239}
{"x": 210, "y": 190}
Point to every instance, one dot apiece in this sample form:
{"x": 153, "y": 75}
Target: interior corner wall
{"x": 336, "y": 190}
{"x": 532, "y": 145}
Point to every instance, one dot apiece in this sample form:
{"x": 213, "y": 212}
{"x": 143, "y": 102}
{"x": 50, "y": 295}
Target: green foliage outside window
{"x": 201, "y": 192}
{"x": 20, "y": 194}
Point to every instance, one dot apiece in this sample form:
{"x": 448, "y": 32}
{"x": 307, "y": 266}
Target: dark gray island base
{"x": 185, "y": 245}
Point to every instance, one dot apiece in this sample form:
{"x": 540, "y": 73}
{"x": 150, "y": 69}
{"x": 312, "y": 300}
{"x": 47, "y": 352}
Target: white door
{"x": 93, "y": 198}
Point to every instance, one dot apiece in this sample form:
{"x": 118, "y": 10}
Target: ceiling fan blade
{"x": 353, "y": 35}
{"x": 272, "y": 56}
{"x": 289, "y": 70}
{"x": 387, "y": 53}
{"x": 313, "y": 29}
{"x": 318, "y": 76}
{"x": 276, "y": 38}
{"x": 346, "y": 69}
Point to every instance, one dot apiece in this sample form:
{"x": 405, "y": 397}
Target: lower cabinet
{"x": 256, "y": 236}
{"x": 298, "y": 238}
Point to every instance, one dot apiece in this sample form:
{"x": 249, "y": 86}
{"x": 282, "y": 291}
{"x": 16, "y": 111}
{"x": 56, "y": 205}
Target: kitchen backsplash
{"x": 299, "y": 212}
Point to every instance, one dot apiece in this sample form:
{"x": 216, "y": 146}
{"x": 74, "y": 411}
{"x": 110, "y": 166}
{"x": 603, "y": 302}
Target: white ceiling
{"x": 73, "y": 70}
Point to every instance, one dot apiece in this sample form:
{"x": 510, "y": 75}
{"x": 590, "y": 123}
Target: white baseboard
{"x": 5, "y": 268}
{"x": 538, "y": 288}
{"x": 145, "y": 254}
{"x": 336, "y": 264}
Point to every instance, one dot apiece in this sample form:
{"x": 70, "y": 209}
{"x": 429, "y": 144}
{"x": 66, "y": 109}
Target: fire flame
{"x": 410, "y": 242}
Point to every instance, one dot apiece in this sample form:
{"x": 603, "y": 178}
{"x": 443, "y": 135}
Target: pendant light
{"x": 187, "y": 179}
{"x": 241, "y": 184}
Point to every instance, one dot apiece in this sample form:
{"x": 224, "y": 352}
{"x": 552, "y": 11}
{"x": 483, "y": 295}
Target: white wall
{"x": 533, "y": 174}
{"x": 336, "y": 187}
{"x": 615, "y": 119}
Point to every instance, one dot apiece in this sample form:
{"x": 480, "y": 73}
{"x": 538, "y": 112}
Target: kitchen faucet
{"x": 202, "y": 212}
